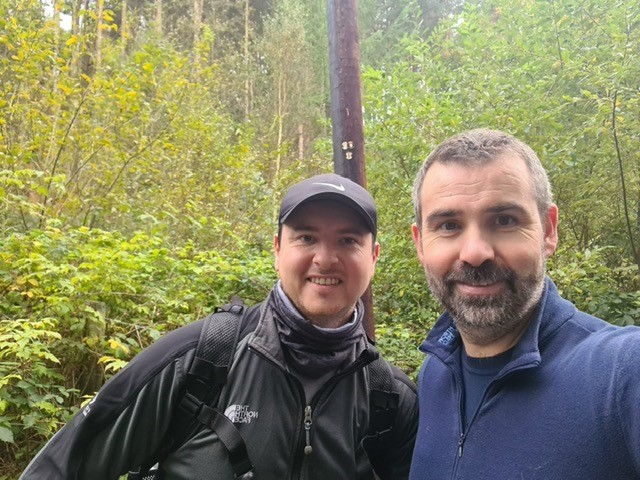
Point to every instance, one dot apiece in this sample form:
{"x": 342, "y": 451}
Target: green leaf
{"x": 6, "y": 435}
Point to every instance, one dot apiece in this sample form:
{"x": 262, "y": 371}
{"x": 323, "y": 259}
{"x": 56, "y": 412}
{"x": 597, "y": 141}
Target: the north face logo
{"x": 240, "y": 413}
{"x": 87, "y": 409}
{"x": 448, "y": 337}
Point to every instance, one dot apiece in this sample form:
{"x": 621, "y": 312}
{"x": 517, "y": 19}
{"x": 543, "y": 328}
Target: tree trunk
{"x": 159, "y": 18}
{"x": 346, "y": 96}
{"x": 300, "y": 142}
{"x": 34, "y": 198}
{"x": 247, "y": 82}
{"x": 124, "y": 34}
{"x": 98, "y": 52}
{"x": 280, "y": 115}
{"x": 197, "y": 21}
{"x": 75, "y": 16}
{"x": 81, "y": 61}
{"x": 634, "y": 252}
{"x": 346, "y": 106}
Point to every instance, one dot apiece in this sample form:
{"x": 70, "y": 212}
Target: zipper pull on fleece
{"x": 308, "y": 449}
{"x": 460, "y": 444}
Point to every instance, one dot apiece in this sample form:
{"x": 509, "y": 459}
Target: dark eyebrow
{"x": 451, "y": 213}
{"x": 441, "y": 214}
{"x": 504, "y": 207}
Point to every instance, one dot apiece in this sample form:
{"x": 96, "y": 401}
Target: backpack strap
{"x": 383, "y": 400}
{"x": 207, "y": 375}
{"x": 214, "y": 356}
{"x": 230, "y": 438}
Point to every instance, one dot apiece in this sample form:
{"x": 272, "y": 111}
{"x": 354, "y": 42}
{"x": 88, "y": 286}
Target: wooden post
{"x": 346, "y": 105}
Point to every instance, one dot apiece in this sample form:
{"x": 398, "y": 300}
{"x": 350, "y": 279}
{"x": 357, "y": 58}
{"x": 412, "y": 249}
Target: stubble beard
{"x": 484, "y": 320}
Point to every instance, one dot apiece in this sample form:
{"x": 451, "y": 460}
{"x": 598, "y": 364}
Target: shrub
{"x": 77, "y": 304}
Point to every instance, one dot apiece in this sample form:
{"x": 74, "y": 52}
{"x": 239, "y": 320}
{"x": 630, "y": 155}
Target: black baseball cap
{"x": 330, "y": 186}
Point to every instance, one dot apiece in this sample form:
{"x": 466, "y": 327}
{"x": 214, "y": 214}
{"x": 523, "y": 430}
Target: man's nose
{"x": 325, "y": 254}
{"x": 476, "y": 247}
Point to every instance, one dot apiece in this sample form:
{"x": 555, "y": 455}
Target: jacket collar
{"x": 265, "y": 340}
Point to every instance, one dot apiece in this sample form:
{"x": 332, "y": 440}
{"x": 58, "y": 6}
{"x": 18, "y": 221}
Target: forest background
{"x": 144, "y": 148}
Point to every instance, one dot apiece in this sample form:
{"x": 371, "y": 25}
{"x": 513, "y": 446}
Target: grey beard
{"x": 485, "y": 320}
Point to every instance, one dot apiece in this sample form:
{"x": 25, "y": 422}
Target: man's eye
{"x": 448, "y": 226}
{"x": 305, "y": 238}
{"x": 349, "y": 241}
{"x": 505, "y": 221}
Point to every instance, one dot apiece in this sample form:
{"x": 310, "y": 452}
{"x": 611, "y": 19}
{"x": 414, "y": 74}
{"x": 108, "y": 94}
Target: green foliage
{"x": 78, "y": 303}
{"x": 32, "y": 391}
{"x": 139, "y": 177}
{"x": 130, "y": 141}
{"x": 404, "y": 308}
{"x": 556, "y": 75}
{"x": 586, "y": 279}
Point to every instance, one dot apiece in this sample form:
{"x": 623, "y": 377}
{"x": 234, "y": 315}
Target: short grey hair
{"x": 479, "y": 147}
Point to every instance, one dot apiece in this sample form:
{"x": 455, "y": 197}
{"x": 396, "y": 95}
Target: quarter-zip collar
{"x": 444, "y": 339}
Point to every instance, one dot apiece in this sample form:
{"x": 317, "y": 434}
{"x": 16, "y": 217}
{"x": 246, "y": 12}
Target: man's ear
{"x": 276, "y": 251}
{"x": 415, "y": 233}
{"x": 551, "y": 230}
{"x": 376, "y": 253}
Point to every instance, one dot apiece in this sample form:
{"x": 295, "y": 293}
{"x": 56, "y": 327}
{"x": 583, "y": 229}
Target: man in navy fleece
{"x": 517, "y": 383}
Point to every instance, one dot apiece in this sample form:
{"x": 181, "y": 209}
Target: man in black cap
{"x": 303, "y": 391}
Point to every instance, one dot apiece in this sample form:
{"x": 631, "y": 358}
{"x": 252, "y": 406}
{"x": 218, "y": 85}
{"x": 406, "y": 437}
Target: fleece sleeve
{"x": 626, "y": 391}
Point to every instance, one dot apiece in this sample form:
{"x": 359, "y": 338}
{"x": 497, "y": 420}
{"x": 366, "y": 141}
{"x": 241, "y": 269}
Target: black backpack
{"x": 221, "y": 332}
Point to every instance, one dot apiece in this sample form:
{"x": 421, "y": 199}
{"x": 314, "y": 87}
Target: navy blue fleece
{"x": 565, "y": 407}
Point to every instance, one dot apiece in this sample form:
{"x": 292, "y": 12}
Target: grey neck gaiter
{"x": 310, "y": 350}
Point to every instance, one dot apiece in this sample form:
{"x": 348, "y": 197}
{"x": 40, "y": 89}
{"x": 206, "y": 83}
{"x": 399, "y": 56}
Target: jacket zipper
{"x": 299, "y": 461}
{"x": 308, "y": 449}
{"x": 463, "y": 428}
{"x": 318, "y": 397}
{"x": 461, "y": 443}
{"x": 464, "y": 431}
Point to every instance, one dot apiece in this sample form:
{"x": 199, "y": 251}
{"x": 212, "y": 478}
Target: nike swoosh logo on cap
{"x": 337, "y": 187}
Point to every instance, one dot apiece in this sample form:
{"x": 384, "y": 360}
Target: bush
{"x": 77, "y": 304}
{"x": 404, "y": 308}
{"x": 594, "y": 286}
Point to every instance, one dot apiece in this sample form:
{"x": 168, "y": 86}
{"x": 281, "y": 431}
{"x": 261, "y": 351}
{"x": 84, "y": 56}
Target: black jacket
{"x": 131, "y": 414}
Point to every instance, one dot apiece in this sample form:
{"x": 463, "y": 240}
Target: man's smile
{"x": 480, "y": 289}
{"x": 324, "y": 280}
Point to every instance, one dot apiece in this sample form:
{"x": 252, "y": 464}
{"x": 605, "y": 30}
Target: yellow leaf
{"x": 105, "y": 359}
{"x": 116, "y": 345}
{"x": 73, "y": 39}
